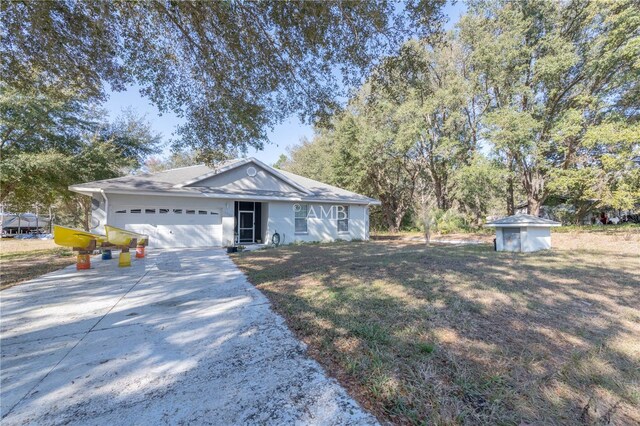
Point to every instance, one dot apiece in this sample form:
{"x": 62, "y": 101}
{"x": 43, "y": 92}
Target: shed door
{"x": 511, "y": 239}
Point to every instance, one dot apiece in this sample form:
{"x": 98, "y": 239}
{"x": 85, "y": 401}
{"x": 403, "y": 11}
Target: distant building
{"x": 23, "y": 223}
{"x": 561, "y": 209}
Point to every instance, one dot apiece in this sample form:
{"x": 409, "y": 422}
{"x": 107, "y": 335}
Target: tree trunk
{"x": 534, "y": 185}
{"x": 511, "y": 205}
{"x": 511, "y": 177}
{"x": 438, "y": 190}
{"x": 398, "y": 221}
{"x": 582, "y": 211}
{"x": 533, "y": 206}
{"x": 86, "y": 216}
{"x": 388, "y": 213}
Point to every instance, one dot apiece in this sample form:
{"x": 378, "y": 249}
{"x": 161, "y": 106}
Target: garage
{"x": 174, "y": 227}
{"x": 189, "y": 223}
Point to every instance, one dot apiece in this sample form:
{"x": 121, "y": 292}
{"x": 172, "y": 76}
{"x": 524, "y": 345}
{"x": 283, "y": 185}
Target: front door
{"x": 246, "y": 228}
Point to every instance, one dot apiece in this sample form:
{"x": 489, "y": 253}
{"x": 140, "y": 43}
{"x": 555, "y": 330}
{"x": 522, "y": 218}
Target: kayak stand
{"x": 85, "y": 243}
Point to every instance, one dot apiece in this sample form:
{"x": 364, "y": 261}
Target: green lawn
{"x": 465, "y": 335}
{"x": 18, "y": 266}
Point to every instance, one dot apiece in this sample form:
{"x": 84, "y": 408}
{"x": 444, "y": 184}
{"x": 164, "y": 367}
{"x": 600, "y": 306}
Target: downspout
{"x": 106, "y": 206}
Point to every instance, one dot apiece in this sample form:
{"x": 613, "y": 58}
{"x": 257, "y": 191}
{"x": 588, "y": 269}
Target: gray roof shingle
{"x": 172, "y": 181}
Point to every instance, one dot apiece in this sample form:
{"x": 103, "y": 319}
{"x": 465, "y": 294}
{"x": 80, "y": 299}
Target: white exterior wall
{"x": 499, "y": 240}
{"x": 531, "y": 239}
{"x": 282, "y": 220}
{"x": 182, "y": 230}
{"x": 537, "y": 239}
{"x": 264, "y": 220}
{"x": 170, "y": 229}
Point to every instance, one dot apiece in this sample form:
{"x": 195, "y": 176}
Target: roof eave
{"x": 83, "y": 189}
{"x": 521, "y": 225}
{"x": 198, "y": 194}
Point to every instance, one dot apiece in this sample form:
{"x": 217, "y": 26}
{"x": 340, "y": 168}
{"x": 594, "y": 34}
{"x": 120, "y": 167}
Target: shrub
{"x": 448, "y": 222}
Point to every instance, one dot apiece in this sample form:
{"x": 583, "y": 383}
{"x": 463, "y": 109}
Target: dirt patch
{"x": 466, "y": 335}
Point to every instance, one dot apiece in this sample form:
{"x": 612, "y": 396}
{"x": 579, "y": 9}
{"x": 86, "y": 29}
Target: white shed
{"x": 523, "y": 232}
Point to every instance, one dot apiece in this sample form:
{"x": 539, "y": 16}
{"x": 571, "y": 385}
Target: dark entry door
{"x": 246, "y": 228}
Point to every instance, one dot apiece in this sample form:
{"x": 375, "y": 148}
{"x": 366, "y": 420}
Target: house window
{"x": 177, "y": 211}
{"x": 136, "y": 211}
{"x": 301, "y": 212}
{"x": 150, "y": 211}
{"x": 121, "y": 211}
{"x": 191, "y": 212}
{"x": 202, "y": 212}
{"x": 163, "y": 211}
{"x": 343, "y": 219}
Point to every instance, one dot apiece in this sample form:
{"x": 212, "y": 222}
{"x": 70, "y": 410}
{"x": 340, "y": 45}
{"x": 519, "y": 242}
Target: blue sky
{"x": 282, "y": 137}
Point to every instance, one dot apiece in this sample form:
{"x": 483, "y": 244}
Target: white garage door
{"x": 172, "y": 227}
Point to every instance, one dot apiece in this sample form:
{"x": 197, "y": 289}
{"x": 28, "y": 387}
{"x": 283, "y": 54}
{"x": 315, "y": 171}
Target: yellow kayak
{"x": 70, "y": 237}
{"x": 122, "y": 237}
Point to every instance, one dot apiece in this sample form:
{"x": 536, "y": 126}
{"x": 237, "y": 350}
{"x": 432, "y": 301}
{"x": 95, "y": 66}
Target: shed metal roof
{"x": 519, "y": 220}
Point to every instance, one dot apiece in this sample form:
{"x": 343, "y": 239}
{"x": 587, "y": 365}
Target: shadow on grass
{"x": 465, "y": 334}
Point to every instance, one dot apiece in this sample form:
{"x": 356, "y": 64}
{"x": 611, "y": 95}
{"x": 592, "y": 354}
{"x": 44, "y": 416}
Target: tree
{"x": 281, "y": 162}
{"x": 552, "y": 71}
{"x": 132, "y": 138}
{"x": 313, "y": 158}
{"x": 53, "y": 139}
{"x": 175, "y": 160}
{"x": 434, "y": 109}
{"x": 28, "y": 178}
{"x": 606, "y": 170}
{"x": 372, "y": 156}
{"x": 231, "y": 69}
{"x": 478, "y": 187}
{"x": 37, "y": 119}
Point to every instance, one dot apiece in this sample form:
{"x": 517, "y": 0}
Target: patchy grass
{"x": 623, "y": 228}
{"x": 28, "y": 259}
{"x": 465, "y": 335}
{"x": 11, "y": 245}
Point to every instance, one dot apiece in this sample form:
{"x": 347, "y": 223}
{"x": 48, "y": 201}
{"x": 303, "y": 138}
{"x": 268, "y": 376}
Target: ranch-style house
{"x": 242, "y": 201}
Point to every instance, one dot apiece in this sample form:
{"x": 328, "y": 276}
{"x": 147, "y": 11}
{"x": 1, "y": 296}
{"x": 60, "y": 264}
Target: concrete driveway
{"x": 180, "y": 337}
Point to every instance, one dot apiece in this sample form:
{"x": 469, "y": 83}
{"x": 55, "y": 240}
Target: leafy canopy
{"x": 232, "y": 69}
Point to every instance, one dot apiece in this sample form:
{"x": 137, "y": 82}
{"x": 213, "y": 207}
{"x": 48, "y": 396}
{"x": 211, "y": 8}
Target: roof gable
{"x": 237, "y": 176}
{"x": 247, "y": 177}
